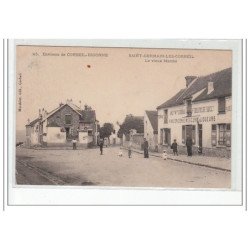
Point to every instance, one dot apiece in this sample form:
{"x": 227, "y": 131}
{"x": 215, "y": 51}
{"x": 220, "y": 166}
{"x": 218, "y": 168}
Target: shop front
{"x": 209, "y": 129}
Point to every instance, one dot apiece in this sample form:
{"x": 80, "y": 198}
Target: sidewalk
{"x": 199, "y": 160}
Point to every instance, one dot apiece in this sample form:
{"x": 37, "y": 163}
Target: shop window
{"x": 222, "y": 105}
{"x": 166, "y": 116}
{"x": 68, "y": 119}
{"x": 223, "y": 134}
{"x": 214, "y": 135}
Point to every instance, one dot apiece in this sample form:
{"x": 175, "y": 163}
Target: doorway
{"x": 189, "y": 129}
{"x": 167, "y": 136}
{"x": 200, "y": 134}
{"x": 67, "y": 133}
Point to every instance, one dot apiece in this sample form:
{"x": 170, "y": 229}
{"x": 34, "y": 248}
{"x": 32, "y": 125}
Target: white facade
{"x": 149, "y": 134}
{"x": 54, "y": 135}
{"x": 210, "y": 128}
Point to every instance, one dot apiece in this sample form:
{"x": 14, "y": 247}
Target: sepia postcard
{"x": 95, "y": 115}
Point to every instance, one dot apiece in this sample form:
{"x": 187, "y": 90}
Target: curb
{"x": 188, "y": 162}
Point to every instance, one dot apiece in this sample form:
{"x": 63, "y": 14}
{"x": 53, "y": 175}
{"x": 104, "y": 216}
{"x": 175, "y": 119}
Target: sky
{"x": 113, "y": 81}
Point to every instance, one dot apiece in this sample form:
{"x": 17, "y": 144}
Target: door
{"x": 189, "y": 129}
{"x": 67, "y": 133}
{"x": 167, "y": 139}
{"x": 200, "y": 135}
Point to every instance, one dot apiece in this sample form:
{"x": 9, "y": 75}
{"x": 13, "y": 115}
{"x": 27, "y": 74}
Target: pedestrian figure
{"x": 189, "y": 144}
{"x": 74, "y": 144}
{"x": 174, "y": 147}
{"x": 129, "y": 149}
{"x": 120, "y": 153}
{"x": 145, "y": 147}
{"x": 164, "y": 155}
{"x": 101, "y": 146}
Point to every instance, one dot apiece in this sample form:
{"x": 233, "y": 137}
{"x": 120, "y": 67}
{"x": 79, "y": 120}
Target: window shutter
{"x": 214, "y": 135}
{"x": 222, "y": 105}
{"x": 228, "y": 135}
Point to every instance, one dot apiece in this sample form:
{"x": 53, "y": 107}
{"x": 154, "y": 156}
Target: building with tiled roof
{"x": 61, "y": 125}
{"x": 201, "y": 111}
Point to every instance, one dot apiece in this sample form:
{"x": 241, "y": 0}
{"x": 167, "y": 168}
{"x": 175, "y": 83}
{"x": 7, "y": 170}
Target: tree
{"x": 106, "y": 130}
{"x": 131, "y": 122}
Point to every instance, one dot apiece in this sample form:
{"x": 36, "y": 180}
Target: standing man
{"x": 145, "y": 147}
{"x": 101, "y": 146}
{"x": 129, "y": 149}
{"x": 189, "y": 144}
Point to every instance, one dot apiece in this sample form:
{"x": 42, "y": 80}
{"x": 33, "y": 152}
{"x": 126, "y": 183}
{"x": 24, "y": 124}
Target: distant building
{"x": 202, "y": 111}
{"x": 63, "y": 124}
{"x": 151, "y": 129}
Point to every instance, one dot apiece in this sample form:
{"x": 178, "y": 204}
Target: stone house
{"x": 63, "y": 124}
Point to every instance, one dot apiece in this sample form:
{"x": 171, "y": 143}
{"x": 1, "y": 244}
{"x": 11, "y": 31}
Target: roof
{"x": 74, "y": 107}
{"x": 153, "y": 118}
{"x": 222, "y": 84}
{"x": 87, "y": 116}
{"x": 32, "y": 123}
{"x": 138, "y": 117}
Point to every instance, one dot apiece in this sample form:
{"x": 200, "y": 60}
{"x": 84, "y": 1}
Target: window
{"x": 90, "y": 133}
{"x": 224, "y": 135}
{"x": 214, "y": 135}
{"x": 189, "y": 108}
{"x": 222, "y": 105}
{"x": 68, "y": 119}
{"x": 166, "y": 116}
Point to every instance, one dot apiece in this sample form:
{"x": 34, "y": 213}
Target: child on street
{"x": 164, "y": 155}
{"x": 174, "y": 147}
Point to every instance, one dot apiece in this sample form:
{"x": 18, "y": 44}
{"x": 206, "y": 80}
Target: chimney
{"x": 210, "y": 87}
{"x": 69, "y": 101}
{"x": 189, "y": 80}
{"x": 86, "y": 107}
{"x": 60, "y": 104}
{"x": 28, "y": 121}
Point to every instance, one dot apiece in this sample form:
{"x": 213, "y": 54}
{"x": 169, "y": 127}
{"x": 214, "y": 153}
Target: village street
{"x": 88, "y": 167}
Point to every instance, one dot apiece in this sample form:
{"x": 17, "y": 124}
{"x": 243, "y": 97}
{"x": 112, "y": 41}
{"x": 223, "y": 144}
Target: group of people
{"x": 174, "y": 147}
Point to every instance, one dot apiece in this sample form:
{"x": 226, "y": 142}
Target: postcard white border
{"x": 53, "y": 195}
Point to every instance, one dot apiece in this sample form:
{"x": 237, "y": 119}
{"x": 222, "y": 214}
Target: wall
{"x": 83, "y": 137}
{"x": 89, "y": 126}
{"x": 137, "y": 141}
{"x": 32, "y": 135}
{"x": 59, "y": 118}
{"x": 54, "y": 135}
{"x": 149, "y": 134}
{"x": 206, "y": 113}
